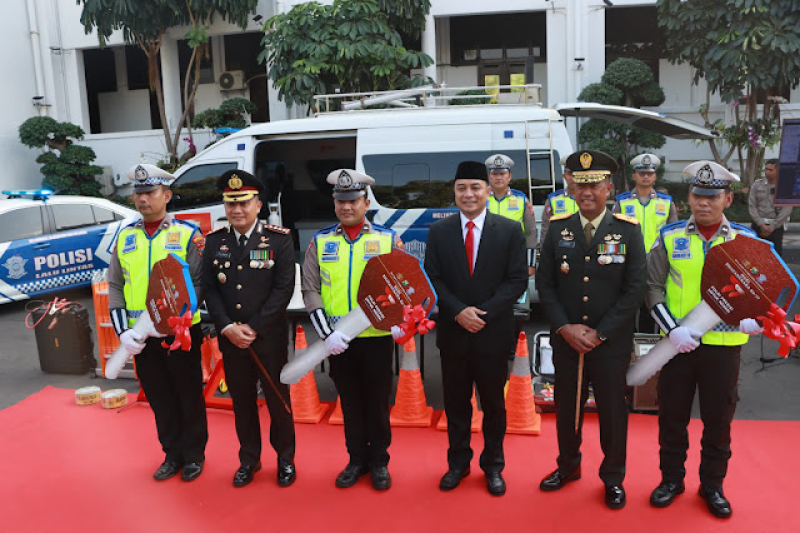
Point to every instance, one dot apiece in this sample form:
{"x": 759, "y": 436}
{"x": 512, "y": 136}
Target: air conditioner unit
{"x": 232, "y": 80}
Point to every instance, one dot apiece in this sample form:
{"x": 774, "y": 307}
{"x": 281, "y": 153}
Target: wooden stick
{"x": 266, "y": 374}
{"x": 579, "y": 396}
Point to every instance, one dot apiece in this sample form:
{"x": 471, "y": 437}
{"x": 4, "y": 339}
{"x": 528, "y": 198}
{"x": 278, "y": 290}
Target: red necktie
{"x": 469, "y": 245}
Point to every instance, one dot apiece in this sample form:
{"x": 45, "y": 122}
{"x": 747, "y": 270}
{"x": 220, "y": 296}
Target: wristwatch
{"x": 601, "y": 337}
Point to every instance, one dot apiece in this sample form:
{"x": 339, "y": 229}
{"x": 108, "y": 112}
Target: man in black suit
{"x": 248, "y": 276}
{"x": 477, "y": 264}
{"x": 591, "y": 280}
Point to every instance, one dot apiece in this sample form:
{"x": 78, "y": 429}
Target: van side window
{"x": 197, "y": 186}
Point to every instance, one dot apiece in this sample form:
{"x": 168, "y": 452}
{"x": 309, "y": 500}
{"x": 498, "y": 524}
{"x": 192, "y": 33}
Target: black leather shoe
{"x": 286, "y": 473}
{"x": 245, "y": 474}
{"x": 452, "y": 478}
{"x": 192, "y": 471}
{"x": 556, "y": 480}
{"x": 495, "y": 483}
{"x": 665, "y": 493}
{"x": 381, "y": 480}
{"x": 615, "y": 496}
{"x": 350, "y": 475}
{"x": 167, "y": 470}
{"x": 716, "y": 501}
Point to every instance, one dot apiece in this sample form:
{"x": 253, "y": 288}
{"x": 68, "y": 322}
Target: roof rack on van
{"x": 430, "y": 96}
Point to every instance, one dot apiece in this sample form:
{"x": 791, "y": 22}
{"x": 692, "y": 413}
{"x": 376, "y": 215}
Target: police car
{"x": 51, "y": 242}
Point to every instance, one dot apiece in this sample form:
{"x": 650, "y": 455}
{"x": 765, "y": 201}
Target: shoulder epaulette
{"x": 626, "y": 218}
{"x": 562, "y": 216}
{"x": 185, "y": 223}
{"x": 515, "y": 192}
{"x": 559, "y": 192}
{"x": 223, "y": 228}
{"x": 278, "y": 229}
{"x": 663, "y": 196}
{"x": 742, "y": 228}
{"x": 326, "y": 229}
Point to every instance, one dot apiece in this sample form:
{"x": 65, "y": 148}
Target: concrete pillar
{"x": 429, "y": 46}
{"x": 170, "y": 74}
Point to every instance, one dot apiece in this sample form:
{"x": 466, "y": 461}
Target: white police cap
{"x": 646, "y": 163}
{"x": 147, "y": 178}
{"x": 349, "y": 184}
{"x": 499, "y": 163}
{"x": 709, "y": 178}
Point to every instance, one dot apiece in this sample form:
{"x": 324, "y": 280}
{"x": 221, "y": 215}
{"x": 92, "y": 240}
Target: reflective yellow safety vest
{"x": 652, "y": 217}
{"x": 341, "y": 264}
{"x": 137, "y": 254}
{"x": 687, "y": 255}
{"x": 511, "y": 206}
{"x": 561, "y": 203}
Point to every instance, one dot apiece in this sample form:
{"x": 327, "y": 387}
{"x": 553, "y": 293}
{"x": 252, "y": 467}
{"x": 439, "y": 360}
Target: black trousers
{"x": 605, "y": 369}
{"x": 714, "y": 372}
{"x": 242, "y": 376}
{"x": 488, "y": 372}
{"x": 776, "y": 238}
{"x": 173, "y": 384}
{"x": 363, "y": 377}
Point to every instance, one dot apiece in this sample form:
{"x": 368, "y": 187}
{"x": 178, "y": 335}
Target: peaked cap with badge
{"x": 591, "y": 166}
{"x": 499, "y": 163}
{"x": 709, "y": 178}
{"x": 646, "y": 163}
{"x": 148, "y": 178}
{"x": 239, "y": 186}
{"x": 471, "y": 170}
{"x": 349, "y": 184}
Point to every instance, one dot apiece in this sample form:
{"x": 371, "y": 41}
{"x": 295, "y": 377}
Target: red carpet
{"x": 83, "y": 468}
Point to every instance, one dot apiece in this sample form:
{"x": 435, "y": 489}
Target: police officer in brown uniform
{"x": 248, "y": 275}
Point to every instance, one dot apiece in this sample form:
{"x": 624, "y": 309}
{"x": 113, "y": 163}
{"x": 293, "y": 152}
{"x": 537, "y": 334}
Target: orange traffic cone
{"x": 410, "y": 408}
{"x": 205, "y": 358}
{"x": 477, "y": 417}
{"x": 306, "y": 407}
{"x": 521, "y": 415}
{"x": 337, "y": 417}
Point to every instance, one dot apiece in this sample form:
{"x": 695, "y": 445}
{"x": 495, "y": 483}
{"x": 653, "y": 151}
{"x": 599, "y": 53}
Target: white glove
{"x": 684, "y": 339}
{"x": 155, "y": 333}
{"x": 750, "y": 326}
{"x": 132, "y": 341}
{"x": 397, "y": 333}
{"x": 336, "y": 342}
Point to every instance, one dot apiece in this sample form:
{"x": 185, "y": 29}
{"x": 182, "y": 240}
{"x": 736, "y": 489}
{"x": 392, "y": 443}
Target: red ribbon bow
{"x": 414, "y": 321}
{"x": 180, "y": 325}
{"x": 776, "y": 327}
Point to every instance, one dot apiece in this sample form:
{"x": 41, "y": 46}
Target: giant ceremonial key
{"x": 171, "y": 301}
{"x": 741, "y": 279}
{"x": 390, "y": 284}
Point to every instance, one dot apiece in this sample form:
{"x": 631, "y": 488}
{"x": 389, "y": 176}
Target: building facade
{"x": 564, "y": 45}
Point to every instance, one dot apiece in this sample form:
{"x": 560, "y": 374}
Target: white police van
{"x": 50, "y": 243}
{"x": 410, "y": 141}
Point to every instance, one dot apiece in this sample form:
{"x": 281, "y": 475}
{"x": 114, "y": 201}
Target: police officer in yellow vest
{"x": 709, "y": 363}
{"x": 651, "y": 208}
{"x": 560, "y": 202}
{"x": 511, "y": 203}
{"x": 361, "y": 368}
{"x": 172, "y": 381}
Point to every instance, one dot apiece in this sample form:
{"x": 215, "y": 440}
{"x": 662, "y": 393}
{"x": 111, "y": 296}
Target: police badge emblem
{"x": 705, "y": 175}
{"x": 16, "y": 266}
{"x": 345, "y": 181}
{"x": 586, "y": 160}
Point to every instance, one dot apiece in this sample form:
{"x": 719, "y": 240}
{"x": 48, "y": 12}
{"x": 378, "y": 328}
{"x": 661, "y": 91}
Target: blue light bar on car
{"x": 38, "y": 193}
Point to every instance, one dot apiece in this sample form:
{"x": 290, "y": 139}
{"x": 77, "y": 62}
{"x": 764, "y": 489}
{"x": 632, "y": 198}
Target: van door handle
{"x": 41, "y": 246}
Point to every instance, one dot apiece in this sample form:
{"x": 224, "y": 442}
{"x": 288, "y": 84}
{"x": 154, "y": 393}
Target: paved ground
{"x": 768, "y": 392}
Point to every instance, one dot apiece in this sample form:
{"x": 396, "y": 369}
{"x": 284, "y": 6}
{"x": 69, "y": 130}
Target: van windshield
{"x": 425, "y": 180}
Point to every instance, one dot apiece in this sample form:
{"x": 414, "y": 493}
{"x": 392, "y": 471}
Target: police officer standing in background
{"x": 710, "y": 365}
{"x": 511, "y": 203}
{"x": 768, "y": 219}
{"x": 560, "y": 202}
{"x": 592, "y": 280}
{"x": 651, "y": 208}
{"x": 172, "y": 381}
{"x": 361, "y": 368}
{"x": 249, "y": 274}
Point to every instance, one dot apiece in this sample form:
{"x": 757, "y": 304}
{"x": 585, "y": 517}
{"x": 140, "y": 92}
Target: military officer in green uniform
{"x": 708, "y": 364}
{"x": 592, "y": 280}
{"x": 651, "y": 208}
{"x": 361, "y": 368}
{"x": 511, "y": 203}
{"x": 172, "y": 381}
{"x": 249, "y": 279}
